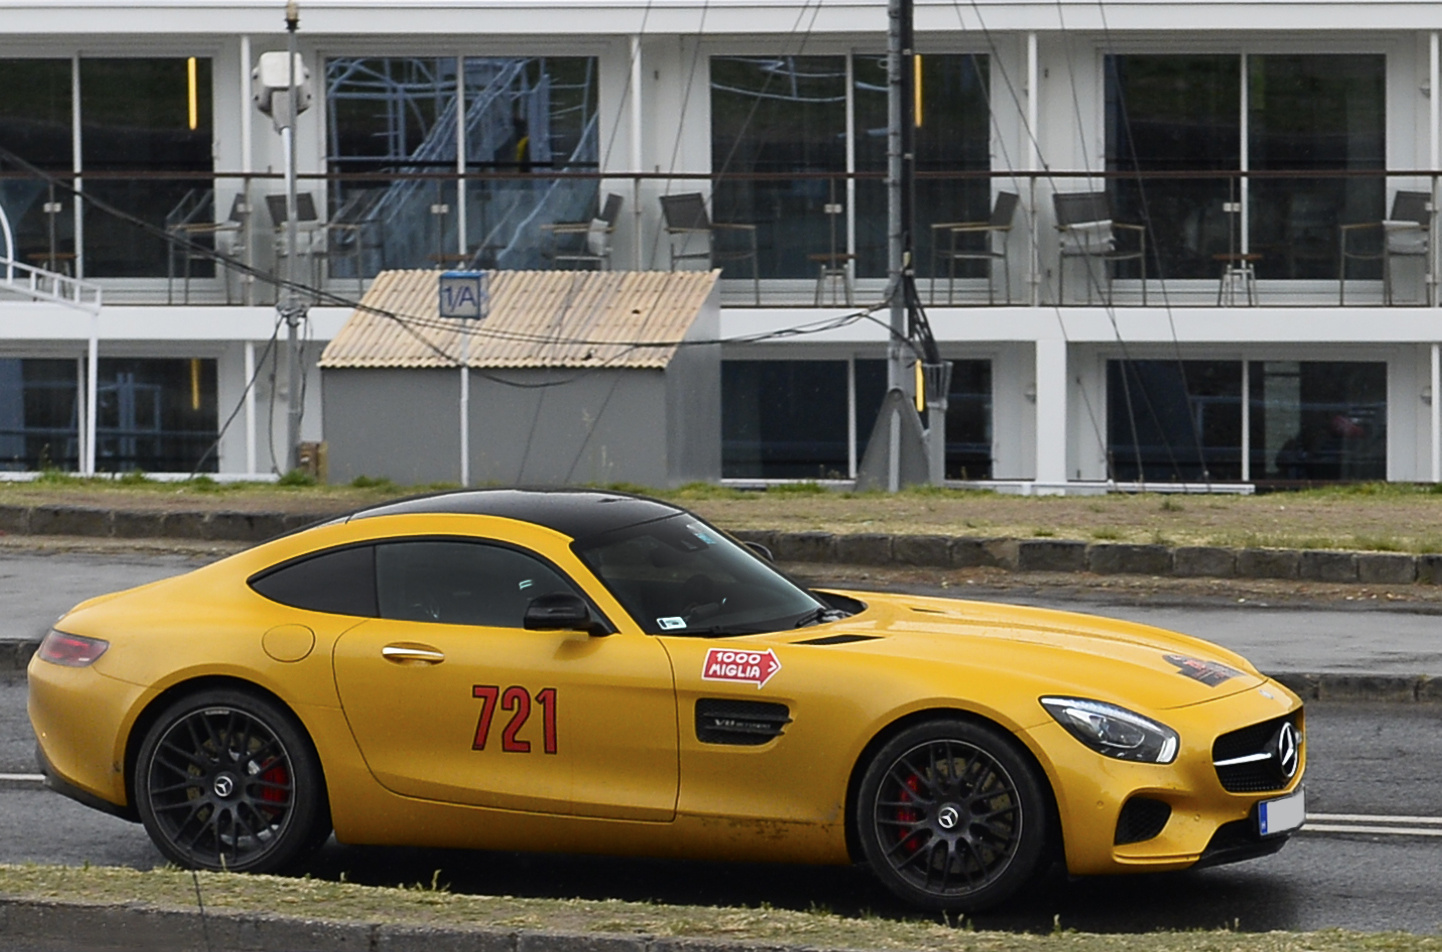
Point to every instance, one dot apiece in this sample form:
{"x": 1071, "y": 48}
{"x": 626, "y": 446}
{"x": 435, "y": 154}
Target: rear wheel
{"x": 226, "y": 780}
{"x": 951, "y": 815}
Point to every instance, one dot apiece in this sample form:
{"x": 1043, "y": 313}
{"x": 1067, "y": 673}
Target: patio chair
{"x": 1405, "y": 234}
{"x": 584, "y": 242}
{"x": 686, "y": 220}
{"x": 952, "y": 241}
{"x": 1086, "y": 230}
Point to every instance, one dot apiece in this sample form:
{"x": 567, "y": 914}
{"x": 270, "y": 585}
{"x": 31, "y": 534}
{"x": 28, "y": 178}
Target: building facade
{"x": 1173, "y": 243}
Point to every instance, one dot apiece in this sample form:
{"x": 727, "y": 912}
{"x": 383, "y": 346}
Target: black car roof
{"x": 577, "y": 513}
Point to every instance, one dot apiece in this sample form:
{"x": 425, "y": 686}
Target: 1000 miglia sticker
{"x": 746, "y": 667}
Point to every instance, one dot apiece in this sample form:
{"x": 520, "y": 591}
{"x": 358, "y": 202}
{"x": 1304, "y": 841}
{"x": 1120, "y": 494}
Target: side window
{"x": 461, "y": 583}
{"x": 340, "y": 582}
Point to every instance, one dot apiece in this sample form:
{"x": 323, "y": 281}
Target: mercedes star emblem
{"x": 948, "y": 817}
{"x": 1285, "y": 748}
{"x": 224, "y": 785}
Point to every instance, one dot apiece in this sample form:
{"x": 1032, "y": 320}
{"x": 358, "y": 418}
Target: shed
{"x": 576, "y": 378}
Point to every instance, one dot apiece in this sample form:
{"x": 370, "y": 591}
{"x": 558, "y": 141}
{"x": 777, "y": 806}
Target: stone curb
{"x": 122, "y": 928}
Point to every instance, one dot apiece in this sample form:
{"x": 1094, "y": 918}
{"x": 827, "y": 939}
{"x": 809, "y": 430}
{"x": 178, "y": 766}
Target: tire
{"x": 952, "y": 816}
{"x": 227, "y": 780}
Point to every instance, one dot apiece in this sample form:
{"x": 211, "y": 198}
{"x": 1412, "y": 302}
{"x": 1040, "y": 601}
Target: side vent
{"x": 836, "y": 640}
{"x": 1141, "y": 819}
{"x": 740, "y": 723}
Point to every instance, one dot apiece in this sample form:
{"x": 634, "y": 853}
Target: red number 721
{"x": 516, "y": 699}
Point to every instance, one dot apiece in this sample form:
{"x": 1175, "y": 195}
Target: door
{"x": 451, "y": 699}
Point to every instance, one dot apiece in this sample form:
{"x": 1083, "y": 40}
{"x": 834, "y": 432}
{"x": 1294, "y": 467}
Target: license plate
{"x": 1282, "y": 815}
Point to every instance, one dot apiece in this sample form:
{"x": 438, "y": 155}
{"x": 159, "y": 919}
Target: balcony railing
{"x": 1176, "y": 239}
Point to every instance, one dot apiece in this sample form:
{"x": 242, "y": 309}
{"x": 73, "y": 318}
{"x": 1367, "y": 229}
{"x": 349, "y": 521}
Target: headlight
{"x": 1114, "y": 731}
{"x": 73, "y": 651}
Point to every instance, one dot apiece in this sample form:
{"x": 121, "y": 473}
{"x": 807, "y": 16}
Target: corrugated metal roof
{"x": 537, "y": 319}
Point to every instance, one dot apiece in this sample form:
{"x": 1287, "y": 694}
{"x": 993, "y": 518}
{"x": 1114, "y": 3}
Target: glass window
{"x": 1313, "y": 113}
{"x": 1174, "y": 421}
{"x": 461, "y": 583}
{"x": 1317, "y": 421}
{"x": 390, "y": 115}
{"x": 35, "y": 124}
{"x": 156, "y": 415}
{"x": 968, "y": 420}
{"x": 339, "y": 582}
{"x": 680, "y": 576}
{"x": 142, "y": 121}
{"x": 778, "y": 115}
{"x": 1176, "y": 113}
{"x": 784, "y": 419}
{"x": 953, "y": 135}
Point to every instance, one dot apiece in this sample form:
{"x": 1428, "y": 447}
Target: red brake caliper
{"x": 278, "y": 775}
{"x": 908, "y": 814}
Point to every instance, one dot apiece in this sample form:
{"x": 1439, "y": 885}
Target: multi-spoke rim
{"x": 948, "y": 817}
{"x": 221, "y": 788}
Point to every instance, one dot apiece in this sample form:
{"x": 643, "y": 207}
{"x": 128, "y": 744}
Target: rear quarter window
{"x": 338, "y": 582}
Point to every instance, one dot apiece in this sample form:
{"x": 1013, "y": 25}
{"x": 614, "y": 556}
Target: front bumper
{"x": 1200, "y": 822}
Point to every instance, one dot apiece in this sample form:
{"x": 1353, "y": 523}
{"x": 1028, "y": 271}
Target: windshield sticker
{"x": 700, "y": 533}
{"x": 1210, "y": 673}
{"x": 671, "y": 622}
{"x": 746, "y": 667}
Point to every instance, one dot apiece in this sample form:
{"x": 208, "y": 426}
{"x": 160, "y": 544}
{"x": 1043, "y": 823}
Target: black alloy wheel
{"x": 952, "y": 816}
{"x": 226, "y": 780}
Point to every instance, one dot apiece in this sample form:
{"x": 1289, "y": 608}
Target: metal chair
{"x": 1403, "y": 235}
{"x": 950, "y": 242}
{"x": 309, "y": 232}
{"x": 686, "y": 218}
{"x": 189, "y": 223}
{"x": 585, "y": 242}
{"x": 1086, "y": 230}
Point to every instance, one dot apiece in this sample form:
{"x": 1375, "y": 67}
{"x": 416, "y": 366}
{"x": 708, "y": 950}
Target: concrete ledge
{"x": 864, "y": 548}
{"x": 1204, "y": 561}
{"x": 927, "y": 550}
{"x": 1050, "y": 555}
{"x": 1126, "y": 559}
{"x": 805, "y": 547}
{"x": 1269, "y": 563}
{"x": 1324, "y": 566}
{"x": 1386, "y": 568}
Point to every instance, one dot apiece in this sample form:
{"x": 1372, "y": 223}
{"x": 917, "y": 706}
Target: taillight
{"x": 73, "y": 651}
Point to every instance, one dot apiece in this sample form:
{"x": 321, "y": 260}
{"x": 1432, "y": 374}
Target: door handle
{"x": 419, "y": 654}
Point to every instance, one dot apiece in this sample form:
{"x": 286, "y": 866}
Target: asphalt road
{"x": 1370, "y": 760}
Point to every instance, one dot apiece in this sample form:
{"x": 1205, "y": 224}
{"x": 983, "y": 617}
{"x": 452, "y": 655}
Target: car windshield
{"x": 680, "y": 576}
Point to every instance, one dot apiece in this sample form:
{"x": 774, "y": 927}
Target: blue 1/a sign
{"x": 465, "y": 294}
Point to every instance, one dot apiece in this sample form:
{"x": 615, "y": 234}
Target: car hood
{"x": 1064, "y": 653}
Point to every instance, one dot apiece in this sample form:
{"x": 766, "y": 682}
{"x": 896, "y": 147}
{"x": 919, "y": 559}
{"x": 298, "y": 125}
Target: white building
{"x": 1258, "y": 149}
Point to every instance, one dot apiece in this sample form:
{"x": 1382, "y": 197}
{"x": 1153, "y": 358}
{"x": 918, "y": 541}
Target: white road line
{"x": 1367, "y": 818}
{"x": 22, "y": 777}
{"x": 1385, "y": 830}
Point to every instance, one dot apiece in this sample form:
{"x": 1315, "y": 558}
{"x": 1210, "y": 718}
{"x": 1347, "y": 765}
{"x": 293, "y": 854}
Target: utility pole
{"x": 910, "y": 331}
{"x": 292, "y": 308}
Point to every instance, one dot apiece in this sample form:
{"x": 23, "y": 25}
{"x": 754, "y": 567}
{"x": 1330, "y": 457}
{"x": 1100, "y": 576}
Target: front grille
{"x": 1246, "y": 759}
{"x": 1141, "y": 819}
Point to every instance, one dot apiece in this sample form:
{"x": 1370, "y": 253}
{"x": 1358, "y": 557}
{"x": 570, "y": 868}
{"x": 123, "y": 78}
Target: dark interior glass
{"x": 784, "y": 419}
{"x": 136, "y": 129}
{"x": 461, "y": 582}
{"x": 1175, "y": 113}
{"x": 1314, "y": 113}
{"x": 1318, "y": 421}
{"x": 35, "y": 124}
{"x": 1174, "y": 421}
{"x": 953, "y": 136}
{"x": 339, "y": 582}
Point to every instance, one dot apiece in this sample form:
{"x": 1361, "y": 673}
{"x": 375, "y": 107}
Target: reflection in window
{"x": 390, "y": 115}
{"x": 1306, "y": 113}
{"x": 1315, "y": 421}
{"x": 1174, "y": 421}
{"x": 35, "y": 124}
{"x": 784, "y": 115}
{"x": 141, "y": 119}
{"x": 154, "y": 415}
{"x": 461, "y": 583}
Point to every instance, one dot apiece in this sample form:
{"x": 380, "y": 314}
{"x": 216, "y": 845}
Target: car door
{"x": 451, "y": 699}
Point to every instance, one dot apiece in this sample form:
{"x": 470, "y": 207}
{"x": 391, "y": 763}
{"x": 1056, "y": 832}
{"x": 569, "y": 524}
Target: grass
{"x": 1376, "y": 517}
{"x": 430, "y": 904}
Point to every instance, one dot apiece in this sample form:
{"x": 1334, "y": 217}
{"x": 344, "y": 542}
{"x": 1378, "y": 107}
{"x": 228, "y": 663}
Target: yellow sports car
{"x": 590, "y": 671}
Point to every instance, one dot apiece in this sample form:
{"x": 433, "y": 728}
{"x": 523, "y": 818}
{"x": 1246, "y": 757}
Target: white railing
{"x": 41, "y": 285}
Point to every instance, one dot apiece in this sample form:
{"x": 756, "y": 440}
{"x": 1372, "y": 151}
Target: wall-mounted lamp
{"x": 1426, "y": 395}
{"x": 1030, "y": 392}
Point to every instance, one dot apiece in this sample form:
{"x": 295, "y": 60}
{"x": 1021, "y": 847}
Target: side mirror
{"x": 561, "y": 611}
{"x": 760, "y": 550}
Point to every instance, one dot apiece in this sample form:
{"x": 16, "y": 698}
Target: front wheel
{"x": 952, "y": 816}
{"x": 227, "y": 780}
